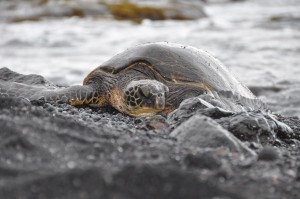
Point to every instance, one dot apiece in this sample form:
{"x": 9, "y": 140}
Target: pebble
{"x": 268, "y": 154}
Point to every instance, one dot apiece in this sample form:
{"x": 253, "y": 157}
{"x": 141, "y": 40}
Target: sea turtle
{"x": 149, "y": 79}
{"x": 158, "y": 78}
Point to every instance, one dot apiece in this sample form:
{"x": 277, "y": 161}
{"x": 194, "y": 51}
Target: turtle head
{"x": 145, "y": 97}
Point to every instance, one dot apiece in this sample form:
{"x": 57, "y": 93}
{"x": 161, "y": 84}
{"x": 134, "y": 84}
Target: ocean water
{"x": 259, "y": 41}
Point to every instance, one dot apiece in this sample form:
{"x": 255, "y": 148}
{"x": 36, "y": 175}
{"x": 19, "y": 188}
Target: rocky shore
{"x": 135, "y": 11}
{"x": 59, "y": 151}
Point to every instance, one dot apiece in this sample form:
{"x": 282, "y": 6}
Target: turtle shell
{"x": 178, "y": 63}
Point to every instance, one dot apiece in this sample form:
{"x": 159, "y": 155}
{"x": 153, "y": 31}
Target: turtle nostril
{"x": 159, "y": 103}
{"x": 159, "y": 95}
{"x": 149, "y": 101}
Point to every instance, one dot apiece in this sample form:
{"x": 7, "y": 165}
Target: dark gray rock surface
{"x": 59, "y": 151}
{"x": 203, "y": 132}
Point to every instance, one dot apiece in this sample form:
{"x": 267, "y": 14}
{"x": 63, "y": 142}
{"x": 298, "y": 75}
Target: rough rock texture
{"x": 59, "y": 151}
{"x": 203, "y": 132}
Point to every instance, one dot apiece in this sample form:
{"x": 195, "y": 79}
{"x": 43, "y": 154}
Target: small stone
{"x": 120, "y": 149}
{"x": 38, "y": 102}
{"x": 50, "y": 108}
{"x": 91, "y": 157}
{"x": 63, "y": 100}
{"x": 156, "y": 122}
{"x": 138, "y": 121}
{"x": 224, "y": 173}
{"x": 71, "y": 165}
{"x": 268, "y": 154}
{"x": 202, "y": 161}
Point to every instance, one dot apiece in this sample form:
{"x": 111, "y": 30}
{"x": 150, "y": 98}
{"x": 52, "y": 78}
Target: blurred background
{"x": 63, "y": 40}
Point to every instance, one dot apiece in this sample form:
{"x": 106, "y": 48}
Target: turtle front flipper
{"x": 34, "y": 87}
{"x": 74, "y": 95}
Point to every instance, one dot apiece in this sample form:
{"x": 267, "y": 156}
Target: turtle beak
{"x": 159, "y": 102}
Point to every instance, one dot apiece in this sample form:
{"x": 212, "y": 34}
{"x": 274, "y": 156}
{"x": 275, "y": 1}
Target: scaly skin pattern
{"x": 75, "y": 95}
{"x": 34, "y": 87}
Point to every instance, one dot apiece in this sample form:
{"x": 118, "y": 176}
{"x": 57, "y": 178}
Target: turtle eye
{"x": 145, "y": 91}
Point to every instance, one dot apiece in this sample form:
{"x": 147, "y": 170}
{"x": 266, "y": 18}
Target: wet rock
{"x": 257, "y": 126}
{"x": 249, "y": 127}
{"x": 191, "y": 106}
{"x": 201, "y": 131}
{"x": 215, "y": 105}
{"x": 135, "y": 11}
{"x": 49, "y": 9}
